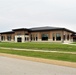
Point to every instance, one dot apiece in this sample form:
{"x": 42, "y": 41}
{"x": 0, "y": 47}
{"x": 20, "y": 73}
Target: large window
{"x": 44, "y": 37}
{"x": 2, "y": 38}
{"x": 58, "y": 36}
{"x": 9, "y": 38}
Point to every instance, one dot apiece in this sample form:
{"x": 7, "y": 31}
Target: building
{"x": 39, "y": 34}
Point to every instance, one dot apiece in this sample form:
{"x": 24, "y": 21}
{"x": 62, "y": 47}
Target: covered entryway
{"x": 19, "y": 39}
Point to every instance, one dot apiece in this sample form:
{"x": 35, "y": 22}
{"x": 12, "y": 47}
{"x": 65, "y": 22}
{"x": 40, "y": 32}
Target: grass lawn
{"x": 41, "y": 46}
{"x": 74, "y": 43}
{"x": 56, "y": 56}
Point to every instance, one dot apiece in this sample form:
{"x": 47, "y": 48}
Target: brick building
{"x": 39, "y": 34}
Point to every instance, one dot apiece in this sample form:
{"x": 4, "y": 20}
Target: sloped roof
{"x": 8, "y": 32}
{"x": 48, "y": 28}
{"x": 19, "y": 29}
{"x": 43, "y": 28}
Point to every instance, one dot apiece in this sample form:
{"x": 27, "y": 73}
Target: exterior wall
{"x": 34, "y": 34}
{"x": 45, "y": 32}
{"x": 55, "y": 32}
{"x": 5, "y": 35}
{"x": 50, "y": 38}
{"x": 39, "y": 35}
{"x": 20, "y": 32}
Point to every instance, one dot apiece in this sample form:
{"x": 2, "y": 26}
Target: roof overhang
{"x": 9, "y": 32}
{"x": 20, "y": 29}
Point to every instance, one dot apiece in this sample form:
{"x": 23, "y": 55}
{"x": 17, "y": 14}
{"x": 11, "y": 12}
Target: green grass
{"x": 56, "y": 56}
{"x": 41, "y": 46}
{"x": 74, "y": 43}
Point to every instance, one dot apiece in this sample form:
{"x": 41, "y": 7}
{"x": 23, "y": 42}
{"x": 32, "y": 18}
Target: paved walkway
{"x": 70, "y": 44}
{"x": 12, "y": 66}
{"x": 37, "y": 50}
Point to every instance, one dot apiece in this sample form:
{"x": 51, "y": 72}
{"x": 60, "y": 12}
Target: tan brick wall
{"x": 50, "y": 33}
{"x": 5, "y": 35}
{"x": 40, "y": 33}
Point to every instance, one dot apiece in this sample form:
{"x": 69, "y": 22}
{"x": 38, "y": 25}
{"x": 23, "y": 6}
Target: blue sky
{"x": 34, "y": 13}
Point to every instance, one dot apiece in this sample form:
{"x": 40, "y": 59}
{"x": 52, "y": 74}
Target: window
{"x": 58, "y": 36}
{"x": 44, "y": 37}
{"x": 25, "y": 38}
{"x": 64, "y": 36}
{"x": 68, "y": 37}
{"x": 36, "y": 37}
{"x": 9, "y": 38}
{"x": 53, "y": 37}
{"x": 2, "y": 38}
{"x": 31, "y": 37}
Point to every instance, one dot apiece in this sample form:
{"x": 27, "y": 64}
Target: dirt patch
{"x": 55, "y": 62}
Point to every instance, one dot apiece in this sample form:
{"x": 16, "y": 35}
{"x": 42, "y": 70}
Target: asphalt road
{"x": 12, "y": 66}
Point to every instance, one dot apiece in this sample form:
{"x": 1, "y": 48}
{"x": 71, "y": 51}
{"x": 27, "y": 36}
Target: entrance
{"x": 19, "y": 39}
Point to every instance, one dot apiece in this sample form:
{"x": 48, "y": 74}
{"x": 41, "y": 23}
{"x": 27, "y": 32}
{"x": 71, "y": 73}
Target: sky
{"x": 37, "y": 13}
